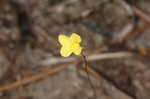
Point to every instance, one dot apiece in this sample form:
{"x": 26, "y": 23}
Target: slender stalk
{"x": 88, "y": 77}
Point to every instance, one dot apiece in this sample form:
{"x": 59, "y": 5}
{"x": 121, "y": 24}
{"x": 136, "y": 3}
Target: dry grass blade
{"x": 142, "y": 15}
{"x": 135, "y": 33}
{"x": 35, "y": 77}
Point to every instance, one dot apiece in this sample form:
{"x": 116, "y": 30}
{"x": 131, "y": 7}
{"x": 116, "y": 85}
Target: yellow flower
{"x": 70, "y": 44}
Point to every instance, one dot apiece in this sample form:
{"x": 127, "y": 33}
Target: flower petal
{"x": 77, "y": 50}
{"x": 75, "y": 38}
{"x": 63, "y": 40}
{"x": 65, "y": 51}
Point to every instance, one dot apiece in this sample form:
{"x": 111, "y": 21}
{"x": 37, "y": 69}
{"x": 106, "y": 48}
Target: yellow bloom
{"x": 70, "y": 44}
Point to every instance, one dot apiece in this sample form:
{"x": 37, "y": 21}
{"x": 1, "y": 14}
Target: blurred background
{"x": 115, "y": 35}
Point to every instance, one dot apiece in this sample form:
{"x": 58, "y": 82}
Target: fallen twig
{"x": 55, "y": 60}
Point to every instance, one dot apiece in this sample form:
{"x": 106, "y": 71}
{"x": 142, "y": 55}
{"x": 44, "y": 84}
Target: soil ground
{"x": 115, "y": 35}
